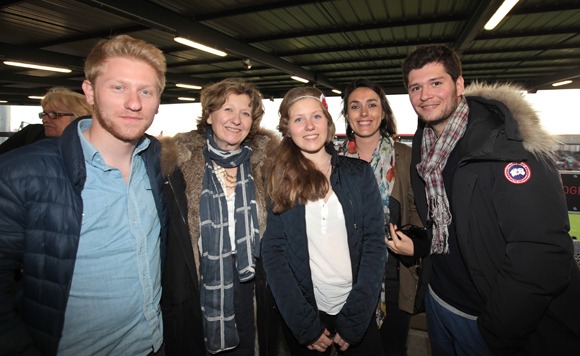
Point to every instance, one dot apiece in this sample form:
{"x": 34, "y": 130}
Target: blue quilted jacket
{"x": 40, "y": 221}
{"x": 286, "y": 260}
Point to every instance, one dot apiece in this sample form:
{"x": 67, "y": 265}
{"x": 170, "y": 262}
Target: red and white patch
{"x": 517, "y": 173}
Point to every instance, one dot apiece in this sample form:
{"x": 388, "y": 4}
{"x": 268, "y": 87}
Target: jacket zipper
{"x": 175, "y": 198}
{"x": 348, "y": 235}
{"x": 353, "y": 211}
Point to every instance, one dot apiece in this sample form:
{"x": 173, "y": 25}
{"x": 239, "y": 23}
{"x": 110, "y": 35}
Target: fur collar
{"x": 536, "y": 139}
{"x": 178, "y": 149}
{"x": 184, "y": 152}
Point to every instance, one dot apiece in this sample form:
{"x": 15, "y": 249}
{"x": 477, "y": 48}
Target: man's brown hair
{"x": 424, "y": 55}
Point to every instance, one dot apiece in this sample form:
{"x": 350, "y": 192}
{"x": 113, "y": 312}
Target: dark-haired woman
{"x": 217, "y": 207}
{"x": 324, "y": 247}
{"x": 370, "y": 127}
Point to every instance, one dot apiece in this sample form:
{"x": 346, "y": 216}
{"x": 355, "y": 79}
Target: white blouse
{"x": 329, "y": 254}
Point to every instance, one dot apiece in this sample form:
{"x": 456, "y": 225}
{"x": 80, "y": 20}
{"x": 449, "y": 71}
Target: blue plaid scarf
{"x": 216, "y": 265}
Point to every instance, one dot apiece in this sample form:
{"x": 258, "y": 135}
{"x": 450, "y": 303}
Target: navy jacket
{"x": 40, "y": 222}
{"x": 513, "y": 237}
{"x": 286, "y": 259}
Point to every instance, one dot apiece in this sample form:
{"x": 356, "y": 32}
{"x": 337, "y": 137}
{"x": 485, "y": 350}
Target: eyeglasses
{"x": 52, "y": 115}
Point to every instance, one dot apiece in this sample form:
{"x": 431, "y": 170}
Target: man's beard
{"x": 447, "y": 112}
{"x": 442, "y": 118}
{"x": 124, "y": 134}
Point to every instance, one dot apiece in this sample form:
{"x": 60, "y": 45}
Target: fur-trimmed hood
{"x": 536, "y": 139}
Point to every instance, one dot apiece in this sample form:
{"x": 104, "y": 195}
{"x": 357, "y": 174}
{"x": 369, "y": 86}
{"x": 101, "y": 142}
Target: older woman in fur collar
{"x": 215, "y": 297}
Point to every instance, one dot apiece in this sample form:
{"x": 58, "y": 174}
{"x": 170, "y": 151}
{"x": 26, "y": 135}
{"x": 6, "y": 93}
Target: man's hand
{"x": 322, "y": 343}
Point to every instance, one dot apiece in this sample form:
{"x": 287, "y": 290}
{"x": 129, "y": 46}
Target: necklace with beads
{"x": 223, "y": 176}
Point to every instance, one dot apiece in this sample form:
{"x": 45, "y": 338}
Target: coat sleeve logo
{"x": 517, "y": 173}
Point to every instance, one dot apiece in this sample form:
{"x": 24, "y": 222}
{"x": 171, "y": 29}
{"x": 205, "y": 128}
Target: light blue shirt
{"x": 113, "y": 307}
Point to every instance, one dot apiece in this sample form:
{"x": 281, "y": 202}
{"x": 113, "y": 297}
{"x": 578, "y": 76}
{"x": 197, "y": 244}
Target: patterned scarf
{"x": 383, "y": 164}
{"x": 434, "y": 154}
{"x": 216, "y": 265}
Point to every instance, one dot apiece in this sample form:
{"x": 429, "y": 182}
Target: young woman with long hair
{"x": 323, "y": 249}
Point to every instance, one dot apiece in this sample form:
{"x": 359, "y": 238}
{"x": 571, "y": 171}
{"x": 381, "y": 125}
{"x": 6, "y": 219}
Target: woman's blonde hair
{"x": 294, "y": 179}
{"x": 63, "y": 97}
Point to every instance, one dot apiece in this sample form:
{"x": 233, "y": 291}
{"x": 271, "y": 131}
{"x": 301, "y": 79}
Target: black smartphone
{"x": 388, "y": 233}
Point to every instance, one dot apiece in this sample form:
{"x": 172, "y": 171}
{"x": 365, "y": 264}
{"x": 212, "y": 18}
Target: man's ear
{"x": 89, "y": 92}
{"x": 460, "y": 86}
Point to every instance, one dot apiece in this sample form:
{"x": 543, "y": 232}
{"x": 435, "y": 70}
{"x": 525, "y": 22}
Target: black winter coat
{"x": 513, "y": 237}
{"x": 26, "y": 136}
{"x": 286, "y": 259}
{"x": 40, "y": 222}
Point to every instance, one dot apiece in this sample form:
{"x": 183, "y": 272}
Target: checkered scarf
{"x": 216, "y": 265}
{"x": 434, "y": 154}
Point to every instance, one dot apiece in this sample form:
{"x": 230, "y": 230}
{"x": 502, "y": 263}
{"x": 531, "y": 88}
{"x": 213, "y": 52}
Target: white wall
{"x": 557, "y": 109}
{"x": 24, "y": 115}
{"x": 173, "y": 118}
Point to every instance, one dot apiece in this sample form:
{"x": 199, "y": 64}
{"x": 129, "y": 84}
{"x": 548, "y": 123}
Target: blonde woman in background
{"x": 60, "y": 106}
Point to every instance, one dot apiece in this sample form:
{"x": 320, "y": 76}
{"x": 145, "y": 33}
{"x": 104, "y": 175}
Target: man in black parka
{"x": 501, "y": 278}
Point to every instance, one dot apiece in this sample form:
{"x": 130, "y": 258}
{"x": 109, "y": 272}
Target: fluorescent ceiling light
{"x": 186, "y": 99}
{"x": 336, "y": 91}
{"x": 187, "y": 86}
{"x": 299, "y": 79}
{"x": 199, "y": 46}
{"x": 3, "y": 101}
{"x": 562, "y": 83}
{"x": 500, "y": 14}
{"x": 35, "y": 97}
{"x": 34, "y": 66}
